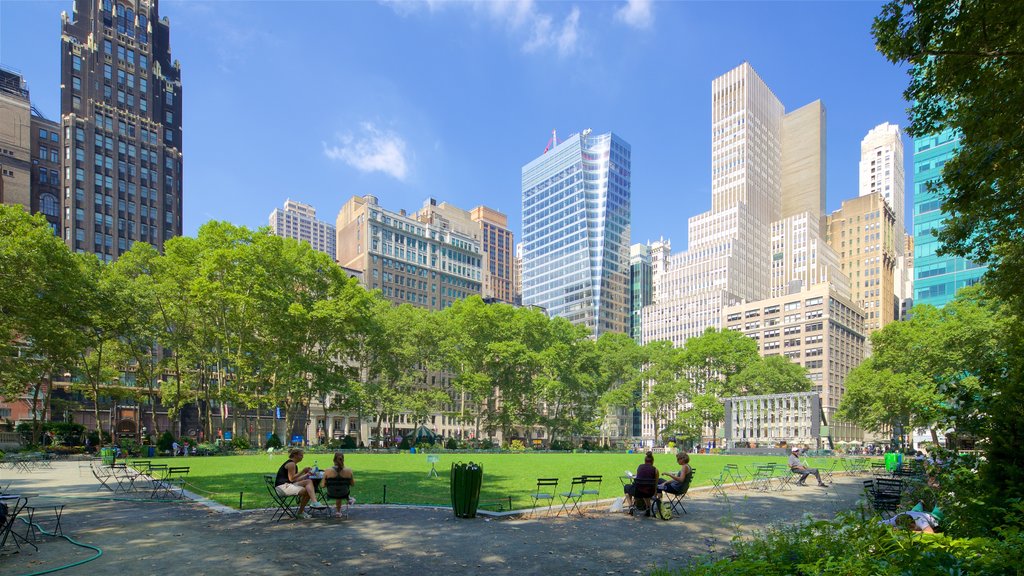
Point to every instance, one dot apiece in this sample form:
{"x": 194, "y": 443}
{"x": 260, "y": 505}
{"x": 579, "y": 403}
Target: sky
{"x": 321, "y": 100}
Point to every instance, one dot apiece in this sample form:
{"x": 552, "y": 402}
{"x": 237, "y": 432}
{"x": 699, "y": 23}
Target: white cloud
{"x": 372, "y": 150}
{"x": 636, "y": 13}
{"x": 521, "y": 19}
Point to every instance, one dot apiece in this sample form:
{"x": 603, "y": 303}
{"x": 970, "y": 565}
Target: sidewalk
{"x": 189, "y": 538}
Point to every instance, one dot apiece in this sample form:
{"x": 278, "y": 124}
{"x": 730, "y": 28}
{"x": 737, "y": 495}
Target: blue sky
{"x": 320, "y": 100}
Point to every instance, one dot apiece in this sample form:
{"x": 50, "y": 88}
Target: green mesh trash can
{"x": 107, "y": 456}
{"x": 465, "y": 486}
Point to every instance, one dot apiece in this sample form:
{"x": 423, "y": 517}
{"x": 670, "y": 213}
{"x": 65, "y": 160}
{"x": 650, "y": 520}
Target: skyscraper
{"x": 936, "y": 278}
{"x": 641, "y": 285}
{"x": 576, "y": 215}
{"x": 121, "y": 123}
{"x": 862, "y": 231}
{"x": 881, "y": 171}
{"x": 766, "y": 165}
{"x": 297, "y": 220}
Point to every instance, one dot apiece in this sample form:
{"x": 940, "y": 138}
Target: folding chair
{"x": 675, "y": 500}
{"x": 573, "y": 496}
{"x": 284, "y": 503}
{"x": 784, "y": 474}
{"x": 644, "y": 491}
{"x": 733, "y": 470}
{"x": 176, "y": 478}
{"x": 15, "y": 504}
{"x": 718, "y": 484}
{"x": 763, "y": 476}
{"x": 104, "y": 475}
{"x": 592, "y": 481}
{"x": 339, "y": 489}
{"x": 545, "y": 490}
{"x": 828, "y": 472}
{"x": 125, "y": 477}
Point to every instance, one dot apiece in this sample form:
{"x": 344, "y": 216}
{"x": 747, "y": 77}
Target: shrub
{"x": 561, "y": 445}
{"x": 207, "y": 449}
{"x": 274, "y": 442}
{"x": 348, "y": 443}
{"x": 451, "y": 444}
{"x": 517, "y": 446}
{"x": 240, "y": 443}
{"x": 165, "y": 442}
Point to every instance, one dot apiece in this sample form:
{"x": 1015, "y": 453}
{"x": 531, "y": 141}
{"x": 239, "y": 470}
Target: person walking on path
{"x": 799, "y": 467}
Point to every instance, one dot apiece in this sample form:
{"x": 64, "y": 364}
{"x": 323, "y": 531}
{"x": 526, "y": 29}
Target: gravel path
{"x": 191, "y": 538}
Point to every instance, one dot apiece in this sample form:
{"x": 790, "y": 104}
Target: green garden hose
{"x": 98, "y": 551}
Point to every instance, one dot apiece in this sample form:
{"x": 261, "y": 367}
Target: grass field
{"x": 405, "y": 476}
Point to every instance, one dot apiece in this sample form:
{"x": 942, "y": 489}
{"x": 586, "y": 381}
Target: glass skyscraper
{"x": 576, "y": 214}
{"x": 936, "y": 278}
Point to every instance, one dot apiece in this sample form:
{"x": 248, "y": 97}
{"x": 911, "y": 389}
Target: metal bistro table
{"x": 15, "y": 504}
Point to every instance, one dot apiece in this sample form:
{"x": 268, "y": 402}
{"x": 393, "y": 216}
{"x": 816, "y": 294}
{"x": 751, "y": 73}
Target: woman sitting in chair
{"x": 339, "y": 480}
{"x": 677, "y": 482}
{"x": 644, "y": 483}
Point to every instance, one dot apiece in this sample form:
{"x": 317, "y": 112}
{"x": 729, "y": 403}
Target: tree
{"x": 967, "y": 77}
{"x": 620, "y": 378}
{"x": 567, "y": 381}
{"x": 881, "y": 400}
{"x": 41, "y": 321}
{"x": 771, "y": 375}
{"x": 665, "y": 384}
{"x": 711, "y": 362}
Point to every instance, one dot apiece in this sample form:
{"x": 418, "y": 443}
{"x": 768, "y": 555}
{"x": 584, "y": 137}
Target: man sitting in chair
{"x": 798, "y": 467}
{"x": 675, "y": 485}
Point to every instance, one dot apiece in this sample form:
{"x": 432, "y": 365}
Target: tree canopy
{"x": 967, "y": 77}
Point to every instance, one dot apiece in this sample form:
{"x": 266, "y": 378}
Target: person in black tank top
{"x": 339, "y": 471}
{"x": 290, "y": 481}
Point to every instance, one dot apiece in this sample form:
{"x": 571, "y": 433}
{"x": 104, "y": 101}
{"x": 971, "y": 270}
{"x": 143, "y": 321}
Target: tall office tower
{"x": 121, "y": 120}
{"x": 936, "y": 278}
{"x": 765, "y": 165}
{"x": 908, "y": 282}
{"x": 29, "y": 152}
{"x": 641, "y": 285}
{"x": 818, "y": 328}
{"x": 881, "y": 171}
{"x": 488, "y": 227}
{"x": 863, "y": 232}
{"x": 661, "y": 250}
{"x": 576, "y": 215}
{"x": 407, "y": 260}
{"x": 297, "y": 220}
{"x": 519, "y": 275}
{"x": 802, "y": 258}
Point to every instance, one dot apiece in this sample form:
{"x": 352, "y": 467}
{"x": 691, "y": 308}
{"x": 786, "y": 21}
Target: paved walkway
{"x": 192, "y": 539}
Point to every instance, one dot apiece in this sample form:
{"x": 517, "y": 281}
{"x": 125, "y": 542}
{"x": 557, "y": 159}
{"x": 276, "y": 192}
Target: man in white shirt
{"x": 799, "y": 468}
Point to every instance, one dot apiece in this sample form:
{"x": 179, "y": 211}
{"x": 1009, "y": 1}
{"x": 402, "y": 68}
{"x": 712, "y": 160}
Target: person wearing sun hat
{"x": 798, "y": 467}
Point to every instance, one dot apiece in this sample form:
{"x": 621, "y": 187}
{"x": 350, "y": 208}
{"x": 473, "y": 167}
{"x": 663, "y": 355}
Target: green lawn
{"x": 405, "y": 476}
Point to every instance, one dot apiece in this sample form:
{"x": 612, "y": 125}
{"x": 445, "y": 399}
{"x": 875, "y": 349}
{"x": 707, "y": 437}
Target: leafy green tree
{"x": 967, "y": 76}
{"x": 666, "y": 386}
{"x": 568, "y": 380}
{"x": 620, "y": 378}
{"x": 41, "y": 321}
{"x": 771, "y": 375}
{"x": 881, "y": 400}
{"x": 711, "y": 362}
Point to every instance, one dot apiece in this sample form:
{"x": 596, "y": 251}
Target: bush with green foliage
{"x": 240, "y": 443}
{"x": 517, "y": 446}
{"x": 348, "y": 443}
{"x": 451, "y": 444}
{"x": 166, "y": 441}
{"x": 274, "y": 442}
{"x": 561, "y": 445}
{"x": 209, "y": 449}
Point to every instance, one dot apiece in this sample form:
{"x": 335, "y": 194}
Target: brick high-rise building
{"x": 121, "y": 127}
{"x": 29, "y": 152}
